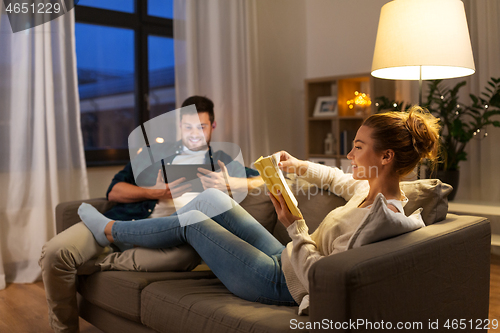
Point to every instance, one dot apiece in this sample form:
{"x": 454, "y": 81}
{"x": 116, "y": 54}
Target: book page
{"x": 275, "y": 159}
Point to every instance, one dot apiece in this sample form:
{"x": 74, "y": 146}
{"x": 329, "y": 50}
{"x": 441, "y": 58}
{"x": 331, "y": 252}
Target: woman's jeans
{"x": 237, "y": 248}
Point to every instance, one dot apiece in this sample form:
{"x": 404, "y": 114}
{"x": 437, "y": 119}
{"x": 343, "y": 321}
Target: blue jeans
{"x": 237, "y": 248}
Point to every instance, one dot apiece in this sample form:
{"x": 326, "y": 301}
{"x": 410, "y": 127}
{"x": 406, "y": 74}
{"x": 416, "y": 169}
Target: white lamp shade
{"x": 431, "y": 35}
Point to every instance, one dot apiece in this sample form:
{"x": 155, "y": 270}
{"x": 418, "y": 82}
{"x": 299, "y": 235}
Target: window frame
{"x": 143, "y": 26}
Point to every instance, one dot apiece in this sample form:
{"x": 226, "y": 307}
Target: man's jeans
{"x": 237, "y": 248}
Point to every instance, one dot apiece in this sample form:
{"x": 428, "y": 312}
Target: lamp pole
{"x": 420, "y": 87}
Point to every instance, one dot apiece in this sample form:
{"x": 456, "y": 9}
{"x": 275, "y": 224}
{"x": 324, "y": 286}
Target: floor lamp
{"x": 422, "y": 40}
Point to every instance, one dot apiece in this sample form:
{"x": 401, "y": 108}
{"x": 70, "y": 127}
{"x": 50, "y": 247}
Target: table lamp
{"x": 422, "y": 40}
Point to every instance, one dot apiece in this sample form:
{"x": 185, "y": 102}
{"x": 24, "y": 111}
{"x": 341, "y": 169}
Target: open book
{"x": 275, "y": 181}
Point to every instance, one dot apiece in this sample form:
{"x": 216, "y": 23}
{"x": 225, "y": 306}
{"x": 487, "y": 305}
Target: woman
{"x": 248, "y": 260}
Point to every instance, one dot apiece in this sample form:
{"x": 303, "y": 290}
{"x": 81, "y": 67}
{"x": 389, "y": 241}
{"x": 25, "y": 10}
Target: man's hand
{"x": 284, "y": 215}
{"x": 218, "y": 180}
{"x": 289, "y": 163}
{"x": 162, "y": 191}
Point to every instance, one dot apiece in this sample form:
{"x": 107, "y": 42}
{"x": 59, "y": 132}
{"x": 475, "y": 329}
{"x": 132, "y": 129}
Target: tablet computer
{"x": 189, "y": 171}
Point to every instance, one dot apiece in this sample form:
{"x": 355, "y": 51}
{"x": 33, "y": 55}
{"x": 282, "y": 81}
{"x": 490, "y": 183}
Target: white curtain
{"x": 41, "y": 151}
{"x": 479, "y": 177}
{"x": 216, "y": 56}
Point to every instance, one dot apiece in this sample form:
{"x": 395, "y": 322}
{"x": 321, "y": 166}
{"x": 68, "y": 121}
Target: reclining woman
{"x": 248, "y": 260}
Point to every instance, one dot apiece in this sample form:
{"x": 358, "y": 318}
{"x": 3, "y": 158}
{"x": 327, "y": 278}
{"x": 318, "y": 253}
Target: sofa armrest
{"x": 438, "y": 272}
{"x": 67, "y": 212}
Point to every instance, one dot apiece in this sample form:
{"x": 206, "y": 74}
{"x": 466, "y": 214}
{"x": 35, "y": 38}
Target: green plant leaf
{"x": 475, "y": 100}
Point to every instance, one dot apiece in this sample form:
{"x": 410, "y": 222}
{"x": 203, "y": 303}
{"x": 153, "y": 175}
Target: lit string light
{"x": 476, "y": 133}
{"x": 360, "y": 100}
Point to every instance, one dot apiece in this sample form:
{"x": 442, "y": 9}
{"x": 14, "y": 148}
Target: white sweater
{"x": 331, "y": 236}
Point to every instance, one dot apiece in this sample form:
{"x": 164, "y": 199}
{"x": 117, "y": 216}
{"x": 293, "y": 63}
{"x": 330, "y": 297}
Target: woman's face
{"x": 366, "y": 163}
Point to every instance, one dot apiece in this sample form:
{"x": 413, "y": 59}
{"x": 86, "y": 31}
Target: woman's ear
{"x": 387, "y": 156}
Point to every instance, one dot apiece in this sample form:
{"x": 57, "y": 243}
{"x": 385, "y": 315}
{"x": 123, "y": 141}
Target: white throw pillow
{"x": 382, "y": 223}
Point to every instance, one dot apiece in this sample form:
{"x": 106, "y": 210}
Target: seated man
{"x": 64, "y": 256}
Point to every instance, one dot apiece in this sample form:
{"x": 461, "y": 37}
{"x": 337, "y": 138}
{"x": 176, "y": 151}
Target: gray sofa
{"x": 439, "y": 272}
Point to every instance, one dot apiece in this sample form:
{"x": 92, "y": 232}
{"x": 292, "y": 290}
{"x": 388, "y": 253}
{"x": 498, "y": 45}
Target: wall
{"x": 99, "y": 179}
{"x": 281, "y": 51}
{"x": 341, "y": 36}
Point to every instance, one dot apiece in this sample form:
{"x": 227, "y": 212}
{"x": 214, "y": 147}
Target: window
{"x": 161, "y": 8}
{"x": 119, "y": 5}
{"x": 161, "y": 75}
{"x": 125, "y": 64}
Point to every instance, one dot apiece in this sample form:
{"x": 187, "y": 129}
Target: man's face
{"x": 196, "y": 130}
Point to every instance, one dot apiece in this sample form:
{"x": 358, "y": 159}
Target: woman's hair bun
{"x": 424, "y": 130}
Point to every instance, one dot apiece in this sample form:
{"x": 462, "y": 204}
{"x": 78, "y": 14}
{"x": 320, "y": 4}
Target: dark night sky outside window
{"x": 125, "y": 64}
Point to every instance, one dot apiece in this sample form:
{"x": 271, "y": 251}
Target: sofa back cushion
{"x": 258, "y": 204}
{"x": 429, "y": 194}
{"x": 314, "y": 203}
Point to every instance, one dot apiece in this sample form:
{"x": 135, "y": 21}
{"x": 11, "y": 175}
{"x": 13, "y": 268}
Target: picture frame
{"x": 325, "y": 106}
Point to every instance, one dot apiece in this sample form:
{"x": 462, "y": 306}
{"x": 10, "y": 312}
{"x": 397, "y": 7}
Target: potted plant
{"x": 460, "y": 122}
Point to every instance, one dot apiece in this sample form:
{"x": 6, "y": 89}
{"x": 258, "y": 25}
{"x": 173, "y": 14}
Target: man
{"x": 75, "y": 251}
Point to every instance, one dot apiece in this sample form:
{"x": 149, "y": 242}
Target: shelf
{"x": 323, "y": 156}
{"x": 344, "y": 125}
{"x": 479, "y": 209}
{"x": 323, "y": 118}
{"x": 337, "y": 118}
{"x": 353, "y": 117}
{"x": 474, "y": 209}
{"x": 495, "y": 240}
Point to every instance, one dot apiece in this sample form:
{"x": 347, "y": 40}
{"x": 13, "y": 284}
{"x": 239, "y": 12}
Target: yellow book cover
{"x": 275, "y": 181}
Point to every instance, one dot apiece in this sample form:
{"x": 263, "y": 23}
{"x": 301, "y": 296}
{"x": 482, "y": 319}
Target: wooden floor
{"x": 23, "y": 308}
{"x": 495, "y": 289}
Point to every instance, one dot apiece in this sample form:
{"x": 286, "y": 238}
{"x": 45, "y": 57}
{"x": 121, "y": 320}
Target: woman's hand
{"x": 286, "y": 218}
{"x": 289, "y": 163}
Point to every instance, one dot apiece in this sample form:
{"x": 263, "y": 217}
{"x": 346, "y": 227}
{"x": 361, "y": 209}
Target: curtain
{"x": 479, "y": 180}
{"x": 216, "y": 56}
{"x": 41, "y": 150}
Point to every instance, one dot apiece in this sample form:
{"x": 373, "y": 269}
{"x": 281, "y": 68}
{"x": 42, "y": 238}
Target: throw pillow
{"x": 429, "y": 194}
{"x": 382, "y": 223}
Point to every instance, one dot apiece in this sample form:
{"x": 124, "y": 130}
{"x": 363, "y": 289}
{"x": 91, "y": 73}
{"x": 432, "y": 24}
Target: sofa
{"x": 421, "y": 278}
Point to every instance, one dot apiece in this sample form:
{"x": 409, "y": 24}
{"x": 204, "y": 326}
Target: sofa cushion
{"x": 258, "y": 204}
{"x": 120, "y": 292}
{"x": 314, "y": 204}
{"x": 207, "y": 306}
{"x": 429, "y": 194}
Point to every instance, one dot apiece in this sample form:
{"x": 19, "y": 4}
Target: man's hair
{"x": 202, "y": 103}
